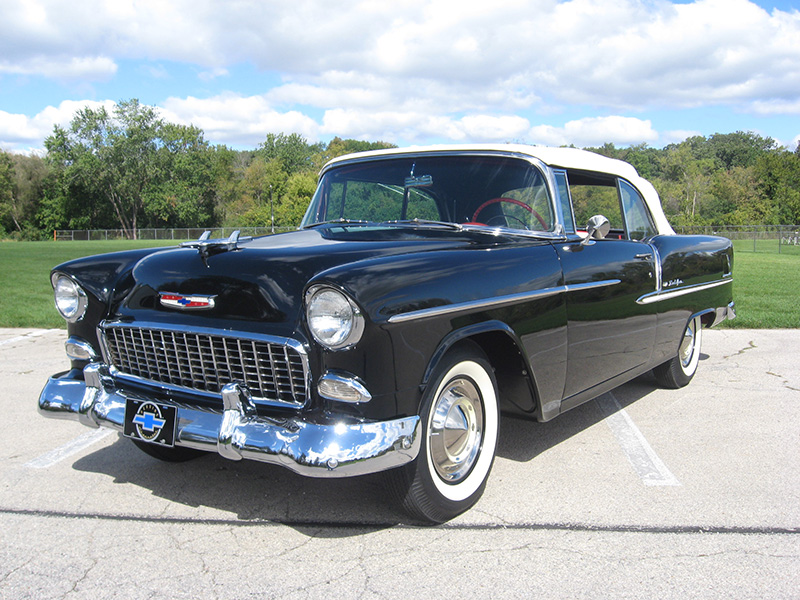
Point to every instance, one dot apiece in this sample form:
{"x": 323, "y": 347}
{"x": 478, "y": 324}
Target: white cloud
{"x": 439, "y": 69}
{"x": 613, "y": 53}
{"x": 20, "y": 133}
{"x": 235, "y": 119}
{"x": 777, "y": 107}
{"x": 62, "y": 68}
{"x": 595, "y": 131}
{"x": 416, "y": 127}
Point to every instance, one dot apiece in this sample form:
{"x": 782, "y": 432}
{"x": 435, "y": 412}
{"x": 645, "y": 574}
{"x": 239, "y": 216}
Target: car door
{"x": 609, "y": 332}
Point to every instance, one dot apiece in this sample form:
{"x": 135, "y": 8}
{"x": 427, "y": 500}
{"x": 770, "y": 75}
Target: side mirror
{"x": 597, "y": 228}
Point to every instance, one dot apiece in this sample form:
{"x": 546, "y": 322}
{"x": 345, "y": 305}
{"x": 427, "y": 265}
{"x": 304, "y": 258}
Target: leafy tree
{"x": 779, "y": 179}
{"x": 23, "y": 180}
{"x": 736, "y": 198}
{"x": 686, "y": 176}
{"x": 6, "y": 191}
{"x": 263, "y": 183}
{"x": 739, "y": 149}
{"x": 338, "y": 147}
{"x": 142, "y": 167}
{"x": 292, "y": 151}
{"x": 300, "y": 188}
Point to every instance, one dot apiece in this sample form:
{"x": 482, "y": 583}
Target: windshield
{"x": 487, "y": 190}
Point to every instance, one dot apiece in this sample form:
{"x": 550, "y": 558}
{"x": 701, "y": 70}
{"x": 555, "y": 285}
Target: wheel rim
{"x": 456, "y": 430}
{"x": 686, "y": 352}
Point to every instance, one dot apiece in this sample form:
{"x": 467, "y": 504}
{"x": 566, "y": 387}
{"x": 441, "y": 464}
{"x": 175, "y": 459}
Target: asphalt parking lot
{"x": 642, "y": 493}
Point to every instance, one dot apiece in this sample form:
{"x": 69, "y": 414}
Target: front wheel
{"x": 460, "y": 423}
{"x": 679, "y": 370}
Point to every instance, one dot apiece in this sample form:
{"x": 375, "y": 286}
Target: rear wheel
{"x": 679, "y": 370}
{"x": 167, "y": 454}
{"x": 460, "y": 422}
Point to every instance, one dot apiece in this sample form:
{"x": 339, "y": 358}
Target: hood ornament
{"x": 206, "y": 246}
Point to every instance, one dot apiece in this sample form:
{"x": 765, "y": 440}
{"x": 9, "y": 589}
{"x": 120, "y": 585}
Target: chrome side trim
{"x": 475, "y": 305}
{"x": 579, "y": 287}
{"x": 690, "y": 289}
{"x": 322, "y": 447}
{"x": 497, "y": 302}
{"x": 658, "y": 267}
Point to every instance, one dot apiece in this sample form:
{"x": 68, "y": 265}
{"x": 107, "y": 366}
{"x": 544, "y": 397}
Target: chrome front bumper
{"x": 314, "y": 449}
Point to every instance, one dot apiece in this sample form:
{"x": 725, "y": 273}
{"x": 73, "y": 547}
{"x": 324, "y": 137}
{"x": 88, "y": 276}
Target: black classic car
{"x": 427, "y": 290}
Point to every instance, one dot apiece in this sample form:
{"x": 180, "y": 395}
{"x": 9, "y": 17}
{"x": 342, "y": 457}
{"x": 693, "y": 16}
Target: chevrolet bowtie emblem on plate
{"x": 186, "y": 302}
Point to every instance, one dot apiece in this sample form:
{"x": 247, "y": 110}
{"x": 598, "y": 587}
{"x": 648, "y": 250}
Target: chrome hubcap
{"x": 687, "y": 345}
{"x": 456, "y": 430}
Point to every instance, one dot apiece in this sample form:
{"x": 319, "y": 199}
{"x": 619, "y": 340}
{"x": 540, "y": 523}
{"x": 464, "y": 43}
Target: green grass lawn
{"x": 766, "y": 286}
{"x": 769, "y": 246}
{"x": 27, "y": 298}
{"x": 766, "y": 289}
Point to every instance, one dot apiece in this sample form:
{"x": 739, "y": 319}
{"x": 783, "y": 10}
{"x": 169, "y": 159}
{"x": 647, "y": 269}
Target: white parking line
{"x": 32, "y": 334}
{"x": 641, "y": 456}
{"x": 68, "y": 449}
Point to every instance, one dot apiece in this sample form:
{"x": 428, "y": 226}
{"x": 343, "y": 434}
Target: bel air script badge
{"x": 182, "y": 302}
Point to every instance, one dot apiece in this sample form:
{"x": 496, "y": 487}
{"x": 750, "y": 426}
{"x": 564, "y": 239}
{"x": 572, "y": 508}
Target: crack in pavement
{"x": 376, "y": 526}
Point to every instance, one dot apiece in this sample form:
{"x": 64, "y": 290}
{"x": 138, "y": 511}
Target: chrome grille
{"x": 273, "y": 370}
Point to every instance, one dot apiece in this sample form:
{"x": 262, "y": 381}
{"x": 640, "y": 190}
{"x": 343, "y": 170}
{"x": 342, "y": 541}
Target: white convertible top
{"x": 567, "y": 158}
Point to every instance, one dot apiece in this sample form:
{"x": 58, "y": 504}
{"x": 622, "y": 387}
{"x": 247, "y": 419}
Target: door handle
{"x": 646, "y": 256}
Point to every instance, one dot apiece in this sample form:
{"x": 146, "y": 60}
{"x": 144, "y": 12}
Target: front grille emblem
{"x": 182, "y": 302}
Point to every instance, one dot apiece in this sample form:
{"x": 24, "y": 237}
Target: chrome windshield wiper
{"x": 425, "y": 223}
{"x": 338, "y": 222}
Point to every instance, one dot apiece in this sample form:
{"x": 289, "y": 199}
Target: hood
{"x": 262, "y": 280}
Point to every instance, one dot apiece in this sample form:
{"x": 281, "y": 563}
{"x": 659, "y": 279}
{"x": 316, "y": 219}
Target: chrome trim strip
{"x": 658, "y": 266}
{"x": 500, "y": 301}
{"x": 661, "y": 296}
{"x": 579, "y": 287}
{"x": 325, "y": 448}
{"x": 475, "y": 305}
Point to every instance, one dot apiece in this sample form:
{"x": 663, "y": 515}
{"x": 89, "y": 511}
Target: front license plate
{"x": 150, "y": 422}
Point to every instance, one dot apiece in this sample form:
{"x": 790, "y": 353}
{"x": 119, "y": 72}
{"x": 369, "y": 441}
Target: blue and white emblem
{"x": 149, "y": 421}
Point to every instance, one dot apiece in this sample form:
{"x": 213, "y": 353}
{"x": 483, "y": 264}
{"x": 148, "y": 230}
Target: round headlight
{"x": 71, "y": 300}
{"x": 334, "y": 319}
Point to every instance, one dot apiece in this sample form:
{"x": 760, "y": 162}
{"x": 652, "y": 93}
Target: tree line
{"x": 130, "y": 169}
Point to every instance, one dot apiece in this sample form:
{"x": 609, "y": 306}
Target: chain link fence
{"x": 177, "y": 234}
{"x": 780, "y": 239}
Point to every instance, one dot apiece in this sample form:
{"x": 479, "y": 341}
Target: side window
{"x": 637, "y": 217}
{"x": 596, "y": 194}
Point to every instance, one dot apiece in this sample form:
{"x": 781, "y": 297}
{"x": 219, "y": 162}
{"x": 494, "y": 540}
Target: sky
{"x": 545, "y": 72}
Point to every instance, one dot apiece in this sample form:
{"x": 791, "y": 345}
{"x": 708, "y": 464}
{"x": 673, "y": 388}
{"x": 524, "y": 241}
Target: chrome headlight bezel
{"x": 334, "y": 319}
{"x": 69, "y": 298}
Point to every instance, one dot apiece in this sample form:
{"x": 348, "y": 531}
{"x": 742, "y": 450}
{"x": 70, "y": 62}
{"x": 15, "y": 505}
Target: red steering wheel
{"x": 510, "y": 201}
